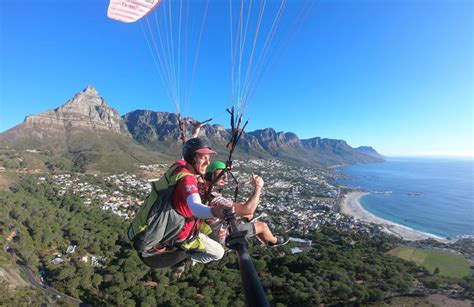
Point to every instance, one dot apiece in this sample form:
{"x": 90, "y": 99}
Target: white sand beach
{"x": 351, "y": 206}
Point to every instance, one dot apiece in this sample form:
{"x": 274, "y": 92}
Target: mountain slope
{"x": 85, "y": 130}
{"x": 159, "y": 130}
{"x": 87, "y": 134}
{"x": 369, "y": 151}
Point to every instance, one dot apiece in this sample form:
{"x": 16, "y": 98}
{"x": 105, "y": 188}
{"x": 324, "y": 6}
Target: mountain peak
{"x": 86, "y": 118}
{"x": 87, "y": 97}
{"x": 90, "y": 90}
{"x": 86, "y": 110}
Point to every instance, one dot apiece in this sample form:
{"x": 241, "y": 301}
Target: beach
{"x": 351, "y": 206}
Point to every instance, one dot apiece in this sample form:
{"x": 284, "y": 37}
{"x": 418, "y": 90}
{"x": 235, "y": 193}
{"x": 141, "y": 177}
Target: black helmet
{"x": 196, "y": 145}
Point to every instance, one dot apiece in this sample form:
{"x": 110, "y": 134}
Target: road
{"x": 34, "y": 282}
{"x": 49, "y": 290}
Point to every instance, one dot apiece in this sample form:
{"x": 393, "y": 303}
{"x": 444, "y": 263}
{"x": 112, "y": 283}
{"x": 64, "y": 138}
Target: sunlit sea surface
{"x": 427, "y": 194}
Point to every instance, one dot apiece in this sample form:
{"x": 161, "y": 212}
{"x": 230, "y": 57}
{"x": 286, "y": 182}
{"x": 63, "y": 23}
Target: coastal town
{"x": 303, "y": 199}
{"x": 294, "y": 199}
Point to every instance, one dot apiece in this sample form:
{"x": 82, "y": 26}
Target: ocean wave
{"x": 381, "y": 192}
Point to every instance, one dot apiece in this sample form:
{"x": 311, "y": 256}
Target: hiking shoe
{"x": 280, "y": 241}
{"x": 178, "y": 270}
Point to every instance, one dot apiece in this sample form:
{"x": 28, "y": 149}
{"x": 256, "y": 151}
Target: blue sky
{"x": 395, "y": 75}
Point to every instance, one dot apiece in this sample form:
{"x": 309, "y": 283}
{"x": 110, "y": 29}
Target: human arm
{"x": 202, "y": 211}
{"x": 249, "y": 207}
{"x": 197, "y": 129}
{"x": 198, "y": 209}
{"x": 187, "y": 200}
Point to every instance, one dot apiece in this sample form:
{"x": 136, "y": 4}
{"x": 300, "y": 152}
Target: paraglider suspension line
{"x": 236, "y": 133}
{"x": 182, "y": 129}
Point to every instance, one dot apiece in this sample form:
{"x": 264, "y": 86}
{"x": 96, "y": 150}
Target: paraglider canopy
{"x": 130, "y": 10}
{"x": 172, "y": 30}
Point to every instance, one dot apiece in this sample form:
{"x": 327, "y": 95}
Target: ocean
{"x": 431, "y": 195}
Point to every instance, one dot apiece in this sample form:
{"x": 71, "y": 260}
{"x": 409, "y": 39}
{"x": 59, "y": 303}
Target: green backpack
{"x": 156, "y": 225}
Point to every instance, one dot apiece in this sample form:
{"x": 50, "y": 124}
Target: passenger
{"x": 245, "y": 210}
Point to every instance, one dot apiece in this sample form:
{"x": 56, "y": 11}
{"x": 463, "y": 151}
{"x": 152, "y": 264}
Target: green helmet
{"x": 214, "y": 166}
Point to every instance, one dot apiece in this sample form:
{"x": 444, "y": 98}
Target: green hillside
{"x": 448, "y": 264}
{"x": 331, "y": 272}
{"x": 82, "y": 152}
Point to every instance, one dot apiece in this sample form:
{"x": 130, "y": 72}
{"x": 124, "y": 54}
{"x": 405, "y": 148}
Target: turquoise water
{"x": 431, "y": 195}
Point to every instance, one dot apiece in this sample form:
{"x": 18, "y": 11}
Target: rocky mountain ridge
{"x": 368, "y": 150}
{"x": 160, "y": 130}
{"x": 85, "y": 110}
{"x": 86, "y": 124}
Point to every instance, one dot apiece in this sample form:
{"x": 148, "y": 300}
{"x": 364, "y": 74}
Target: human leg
{"x": 258, "y": 229}
{"x": 212, "y": 250}
{"x": 264, "y": 233}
